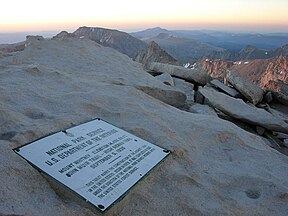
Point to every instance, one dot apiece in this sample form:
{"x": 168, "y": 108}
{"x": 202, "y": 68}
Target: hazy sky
{"x": 240, "y": 15}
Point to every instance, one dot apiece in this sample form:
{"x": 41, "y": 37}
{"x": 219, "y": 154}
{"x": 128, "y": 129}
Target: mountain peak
{"x": 149, "y": 33}
{"x": 164, "y": 36}
{"x": 63, "y": 35}
{"x": 156, "y": 29}
{"x": 154, "y": 53}
{"x": 249, "y": 48}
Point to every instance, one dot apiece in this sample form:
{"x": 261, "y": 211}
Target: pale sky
{"x": 234, "y": 15}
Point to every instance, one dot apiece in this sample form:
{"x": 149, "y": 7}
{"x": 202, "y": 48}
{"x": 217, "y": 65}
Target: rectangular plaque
{"x": 97, "y": 160}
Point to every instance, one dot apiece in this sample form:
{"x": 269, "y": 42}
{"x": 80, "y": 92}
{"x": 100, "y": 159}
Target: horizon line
{"x": 130, "y": 30}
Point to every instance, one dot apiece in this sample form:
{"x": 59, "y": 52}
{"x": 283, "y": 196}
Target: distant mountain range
{"x": 16, "y": 37}
{"x": 266, "y": 68}
{"x": 225, "y": 40}
{"x": 183, "y": 49}
{"x": 118, "y": 40}
{"x": 249, "y": 52}
{"x": 183, "y": 45}
{"x": 192, "y": 45}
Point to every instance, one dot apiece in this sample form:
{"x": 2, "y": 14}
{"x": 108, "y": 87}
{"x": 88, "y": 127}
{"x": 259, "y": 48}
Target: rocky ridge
{"x": 235, "y": 46}
{"x": 8, "y": 48}
{"x": 121, "y": 41}
{"x": 216, "y": 167}
{"x": 249, "y": 52}
{"x": 266, "y": 73}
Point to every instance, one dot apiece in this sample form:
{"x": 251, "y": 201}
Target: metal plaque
{"x": 97, "y": 160}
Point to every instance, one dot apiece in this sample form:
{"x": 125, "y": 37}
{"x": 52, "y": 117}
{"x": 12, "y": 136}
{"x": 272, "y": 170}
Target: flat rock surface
{"x": 203, "y": 109}
{"x": 215, "y": 168}
{"x": 226, "y": 89}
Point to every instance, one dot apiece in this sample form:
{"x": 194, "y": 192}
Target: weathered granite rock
{"x": 274, "y": 141}
{"x": 172, "y": 97}
{"x": 230, "y": 91}
{"x": 215, "y": 167}
{"x": 33, "y": 40}
{"x": 277, "y": 113}
{"x": 280, "y": 97}
{"x": 268, "y": 97}
{"x": 186, "y": 88}
{"x": 281, "y": 135}
{"x": 199, "y": 98}
{"x": 194, "y": 75}
{"x": 203, "y": 109}
{"x": 236, "y": 108}
{"x": 250, "y": 91}
{"x": 260, "y": 130}
{"x": 166, "y": 78}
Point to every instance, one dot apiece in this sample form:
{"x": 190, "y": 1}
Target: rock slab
{"x": 250, "y": 91}
{"x": 203, "y": 109}
{"x": 238, "y": 109}
{"x": 187, "y": 88}
{"x": 193, "y": 75}
{"x": 226, "y": 89}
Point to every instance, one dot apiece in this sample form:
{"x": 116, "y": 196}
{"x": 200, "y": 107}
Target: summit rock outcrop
{"x": 215, "y": 167}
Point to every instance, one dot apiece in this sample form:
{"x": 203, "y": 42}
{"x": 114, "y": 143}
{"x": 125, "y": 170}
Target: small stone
{"x": 260, "y": 130}
{"x": 281, "y": 135}
{"x": 166, "y": 78}
{"x": 253, "y": 194}
{"x": 34, "y": 68}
